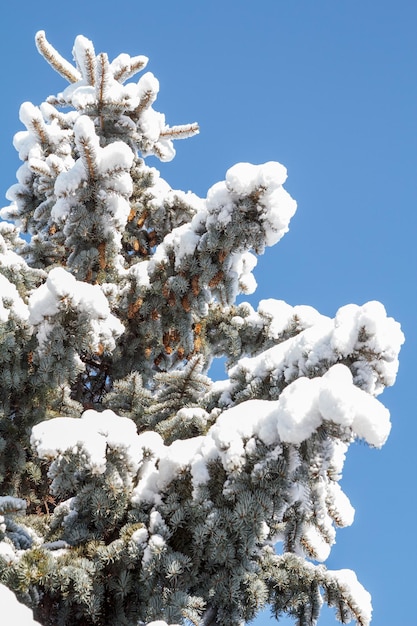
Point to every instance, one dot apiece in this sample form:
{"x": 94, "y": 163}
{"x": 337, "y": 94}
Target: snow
{"x": 84, "y": 55}
{"x": 355, "y": 594}
{"x": 275, "y": 205}
{"x": 220, "y": 203}
{"x": 242, "y": 265}
{"x": 11, "y": 304}
{"x": 156, "y": 544}
{"x": 244, "y": 178}
{"x": 279, "y": 209}
{"x": 298, "y": 415}
{"x": 123, "y": 61}
{"x": 141, "y": 274}
{"x": 31, "y": 116}
{"x": 68, "y": 182}
{"x": 15, "y": 611}
{"x": 110, "y": 164}
{"x": 302, "y": 407}
{"x": 62, "y": 291}
{"x": 160, "y": 623}
{"x": 382, "y": 336}
{"x": 176, "y": 457}
{"x": 43, "y": 45}
{"x": 354, "y": 330}
{"x": 160, "y": 188}
{"x": 117, "y": 155}
{"x": 26, "y": 144}
{"x": 7, "y": 553}
{"x": 275, "y": 209}
{"x": 140, "y": 535}
{"x": 148, "y": 84}
{"x": 343, "y": 403}
{"x": 339, "y": 505}
{"x": 314, "y": 539}
{"x": 94, "y": 432}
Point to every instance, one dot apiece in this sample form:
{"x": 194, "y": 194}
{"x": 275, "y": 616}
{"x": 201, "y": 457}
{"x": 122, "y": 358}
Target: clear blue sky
{"x": 329, "y": 88}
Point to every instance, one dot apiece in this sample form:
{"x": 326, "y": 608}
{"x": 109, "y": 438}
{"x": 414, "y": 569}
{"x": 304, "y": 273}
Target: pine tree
{"x": 134, "y": 488}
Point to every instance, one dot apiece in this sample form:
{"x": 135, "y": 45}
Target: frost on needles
{"x": 135, "y": 490}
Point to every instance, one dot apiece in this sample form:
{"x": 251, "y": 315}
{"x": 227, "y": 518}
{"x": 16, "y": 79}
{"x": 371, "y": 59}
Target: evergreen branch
{"x": 145, "y": 102}
{"x": 167, "y": 491}
{"x": 40, "y": 131}
{"x": 102, "y": 82}
{"x": 88, "y": 155}
{"x": 103, "y": 69}
{"x": 135, "y": 65}
{"x": 90, "y": 66}
{"x": 180, "y": 132}
{"x": 54, "y": 59}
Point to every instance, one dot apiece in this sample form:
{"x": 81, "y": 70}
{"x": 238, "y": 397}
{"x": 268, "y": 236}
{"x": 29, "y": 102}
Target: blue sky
{"x": 329, "y": 88}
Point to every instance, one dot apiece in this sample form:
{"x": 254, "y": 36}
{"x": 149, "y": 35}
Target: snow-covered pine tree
{"x": 135, "y": 489}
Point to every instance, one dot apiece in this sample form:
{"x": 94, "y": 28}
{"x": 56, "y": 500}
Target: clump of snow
{"x": 219, "y": 203}
{"x": 317, "y": 544}
{"x": 94, "y": 432}
{"x": 7, "y": 552}
{"x": 11, "y": 304}
{"x": 15, "y": 611}
{"x": 123, "y": 62}
{"x": 61, "y": 292}
{"x": 301, "y": 409}
{"x": 140, "y": 535}
{"x": 274, "y": 209}
{"x": 141, "y": 273}
{"x": 339, "y": 505}
{"x": 298, "y": 415}
{"x": 354, "y": 594}
{"x": 242, "y": 265}
{"x": 244, "y": 178}
{"x": 183, "y": 240}
{"x": 156, "y": 545}
{"x": 110, "y": 164}
{"x": 354, "y": 332}
{"x": 275, "y": 205}
{"x": 281, "y": 315}
{"x": 342, "y": 402}
{"x": 358, "y": 326}
{"x": 8, "y": 258}
{"x": 293, "y": 418}
{"x": 159, "y": 623}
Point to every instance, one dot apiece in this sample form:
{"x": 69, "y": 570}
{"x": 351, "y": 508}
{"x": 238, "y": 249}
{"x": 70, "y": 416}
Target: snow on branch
{"x": 97, "y": 88}
{"x": 169, "y": 496}
{"x": 62, "y": 292}
{"x": 54, "y": 59}
{"x": 85, "y": 58}
{"x": 124, "y": 66}
{"x": 362, "y": 336}
{"x": 180, "y": 132}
